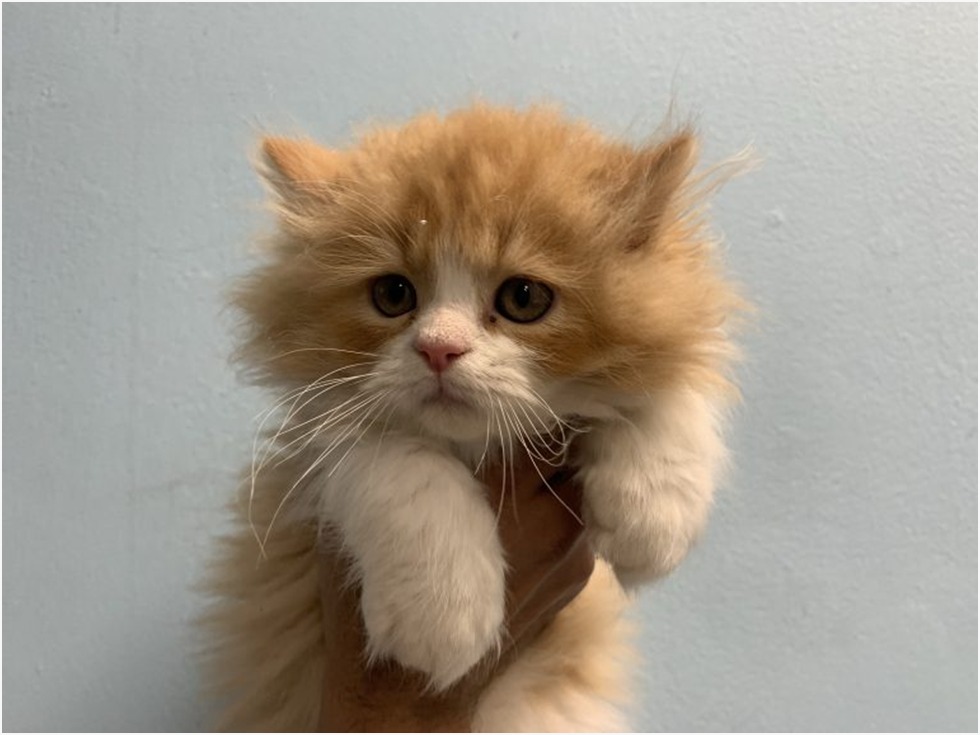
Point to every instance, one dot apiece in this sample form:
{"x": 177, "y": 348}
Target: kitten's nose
{"x": 440, "y": 355}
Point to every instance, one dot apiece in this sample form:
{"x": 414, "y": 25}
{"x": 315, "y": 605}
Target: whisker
{"x": 324, "y": 349}
{"x": 301, "y": 391}
{"x": 558, "y": 420}
{"x": 323, "y": 389}
{"x": 359, "y": 436}
{"x": 367, "y": 406}
{"x": 330, "y": 418}
{"x": 338, "y": 382}
{"x": 318, "y": 383}
{"x": 500, "y": 504}
{"x": 258, "y": 432}
{"x": 257, "y": 469}
{"x": 333, "y": 445}
{"x": 546, "y": 483}
{"x": 509, "y": 447}
{"x": 303, "y": 388}
{"x": 536, "y": 421}
{"x": 558, "y": 456}
{"x": 486, "y": 445}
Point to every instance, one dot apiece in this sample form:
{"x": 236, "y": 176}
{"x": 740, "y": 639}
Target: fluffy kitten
{"x": 445, "y": 294}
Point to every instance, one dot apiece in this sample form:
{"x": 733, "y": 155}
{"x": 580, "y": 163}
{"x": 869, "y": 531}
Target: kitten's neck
{"x": 490, "y": 450}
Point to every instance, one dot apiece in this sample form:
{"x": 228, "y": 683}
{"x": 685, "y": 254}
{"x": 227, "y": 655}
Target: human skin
{"x": 550, "y": 562}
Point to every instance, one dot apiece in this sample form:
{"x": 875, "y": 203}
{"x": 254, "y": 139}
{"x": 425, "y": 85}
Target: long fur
{"x": 625, "y": 378}
{"x": 265, "y": 654}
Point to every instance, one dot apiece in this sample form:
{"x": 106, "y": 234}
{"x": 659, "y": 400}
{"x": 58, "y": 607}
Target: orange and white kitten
{"x": 445, "y": 294}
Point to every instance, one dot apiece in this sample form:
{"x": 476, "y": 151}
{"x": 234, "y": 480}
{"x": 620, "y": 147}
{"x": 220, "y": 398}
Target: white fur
{"x": 574, "y": 677}
{"x": 648, "y": 481}
{"x": 454, "y": 316}
{"x": 426, "y": 549}
{"x": 408, "y": 508}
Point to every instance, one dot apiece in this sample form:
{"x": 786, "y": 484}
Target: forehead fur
{"x": 613, "y": 228}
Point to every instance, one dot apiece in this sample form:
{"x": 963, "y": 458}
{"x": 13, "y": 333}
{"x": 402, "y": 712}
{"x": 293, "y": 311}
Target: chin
{"x": 459, "y": 423}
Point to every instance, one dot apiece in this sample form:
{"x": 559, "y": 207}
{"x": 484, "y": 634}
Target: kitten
{"x": 446, "y": 294}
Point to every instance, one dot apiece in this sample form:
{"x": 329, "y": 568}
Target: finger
{"x": 516, "y": 478}
{"x": 556, "y": 589}
{"x": 564, "y": 489}
{"x": 541, "y": 554}
{"x": 551, "y": 519}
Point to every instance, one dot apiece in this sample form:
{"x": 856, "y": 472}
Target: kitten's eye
{"x": 522, "y": 300}
{"x": 393, "y": 295}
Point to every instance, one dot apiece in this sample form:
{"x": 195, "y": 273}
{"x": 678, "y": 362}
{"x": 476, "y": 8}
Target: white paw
{"x": 643, "y": 527}
{"x": 440, "y": 627}
{"x": 639, "y": 553}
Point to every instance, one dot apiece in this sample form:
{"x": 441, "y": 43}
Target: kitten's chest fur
{"x": 533, "y": 271}
{"x": 577, "y": 410}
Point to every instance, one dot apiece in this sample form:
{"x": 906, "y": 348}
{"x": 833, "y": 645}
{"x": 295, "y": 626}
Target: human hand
{"x": 550, "y": 562}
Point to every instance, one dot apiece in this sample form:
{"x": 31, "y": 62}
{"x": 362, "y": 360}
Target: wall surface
{"x": 837, "y": 586}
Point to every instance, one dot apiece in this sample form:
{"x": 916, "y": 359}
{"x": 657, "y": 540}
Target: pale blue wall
{"x": 837, "y": 588}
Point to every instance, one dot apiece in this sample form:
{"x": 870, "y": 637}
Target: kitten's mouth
{"x": 444, "y": 396}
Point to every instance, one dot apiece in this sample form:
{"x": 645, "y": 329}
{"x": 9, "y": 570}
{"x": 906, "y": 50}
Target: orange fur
{"x": 642, "y": 306}
{"x": 265, "y": 652}
{"x": 265, "y": 655}
{"x": 644, "y": 302}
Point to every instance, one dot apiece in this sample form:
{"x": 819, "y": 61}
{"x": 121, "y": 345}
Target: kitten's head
{"x": 479, "y": 271}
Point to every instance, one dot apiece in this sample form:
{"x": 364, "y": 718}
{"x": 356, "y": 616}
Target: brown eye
{"x": 522, "y": 300}
{"x": 393, "y": 295}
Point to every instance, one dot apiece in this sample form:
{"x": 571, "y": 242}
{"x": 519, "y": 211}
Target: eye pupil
{"x": 522, "y": 300}
{"x": 522, "y": 295}
{"x": 393, "y": 295}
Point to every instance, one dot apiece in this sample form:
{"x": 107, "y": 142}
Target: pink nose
{"x": 440, "y": 355}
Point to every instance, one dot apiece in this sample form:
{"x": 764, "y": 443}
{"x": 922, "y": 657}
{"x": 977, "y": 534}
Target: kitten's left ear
{"x": 299, "y": 172}
{"x": 656, "y": 185}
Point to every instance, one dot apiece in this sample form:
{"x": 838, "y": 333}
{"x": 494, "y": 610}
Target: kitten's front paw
{"x": 640, "y": 553}
{"x": 642, "y": 527}
{"x": 441, "y": 628}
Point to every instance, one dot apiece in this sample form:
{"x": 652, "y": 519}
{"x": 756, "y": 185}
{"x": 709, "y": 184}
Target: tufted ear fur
{"x": 653, "y": 194}
{"x": 299, "y": 172}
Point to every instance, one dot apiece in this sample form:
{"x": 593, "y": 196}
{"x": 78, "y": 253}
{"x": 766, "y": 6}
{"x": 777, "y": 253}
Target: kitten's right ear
{"x": 657, "y": 179}
{"x": 299, "y": 172}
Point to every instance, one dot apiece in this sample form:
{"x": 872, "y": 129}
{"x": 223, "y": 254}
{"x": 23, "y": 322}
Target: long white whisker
{"x": 545, "y": 481}
{"x": 546, "y": 428}
{"x": 258, "y": 432}
{"x": 322, "y": 380}
{"x": 333, "y": 409}
{"x": 294, "y": 410}
{"x": 291, "y": 393}
{"x": 558, "y": 420}
{"x": 313, "y": 465}
{"x": 367, "y": 405}
{"x": 359, "y": 436}
{"x": 257, "y": 469}
{"x": 330, "y": 418}
{"x": 322, "y": 349}
{"x": 509, "y": 447}
{"x": 486, "y": 444}
{"x": 557, "y": 458}
{"x": 503, "y": 460}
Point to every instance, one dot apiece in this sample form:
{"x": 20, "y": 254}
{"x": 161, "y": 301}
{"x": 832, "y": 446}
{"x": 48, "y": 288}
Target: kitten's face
{"x": 455, "y": 361}
{"x": 479, "y": 273}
